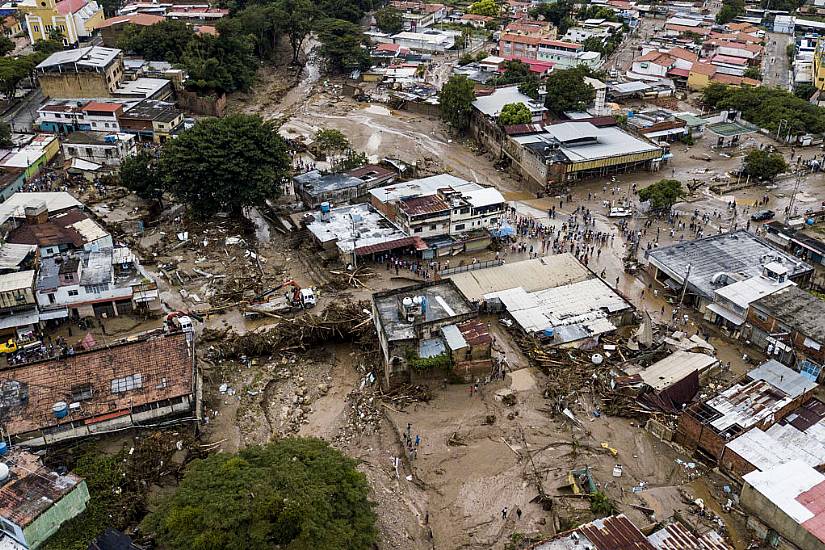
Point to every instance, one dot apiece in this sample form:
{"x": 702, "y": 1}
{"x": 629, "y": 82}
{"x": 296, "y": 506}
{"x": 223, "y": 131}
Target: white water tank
{"x": 4, "y": 472}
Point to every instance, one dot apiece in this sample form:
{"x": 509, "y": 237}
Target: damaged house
{"x": 419, "y": 327}
{"x": 92, "y": 392}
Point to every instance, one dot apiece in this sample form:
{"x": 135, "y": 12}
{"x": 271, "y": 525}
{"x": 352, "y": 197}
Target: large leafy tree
{"x": 389, "y": 19}
{"x": 225, "y": 164}
{"x": 223, "y": 63}
{"x": 560, "y": 13}
{"x": 663, "y": 194}
{"x": 6, "y": 45}
{"x": 164, "y": 41}
{"x": 567, "y": 90}
{"x": 341, "y": 46}
{"x": 139, "y": 174}
{"x": 514, "y": 113}
{"x": 292, "y": 494}
{"x": 297, "y": 17}
{"x": 262, "y": 22}
{"x": 13, "y": 71}
{"x": 456, "y": 100}
{"x": 485, "y": 7}
{"x": 764, "y": 165}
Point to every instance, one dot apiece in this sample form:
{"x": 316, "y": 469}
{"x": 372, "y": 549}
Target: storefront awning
{"x": 722, "y": 312}
{"x": 54, "y": 314}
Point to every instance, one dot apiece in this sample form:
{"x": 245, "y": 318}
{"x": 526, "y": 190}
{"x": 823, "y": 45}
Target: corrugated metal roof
{"x": 779, "y": 376}
{"x": 676, "y": 536}
{"x": 675, "y": 367}
{"x": 455, "y": 340}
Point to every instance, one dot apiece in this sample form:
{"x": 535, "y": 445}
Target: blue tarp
{"x": 504, "y": 231}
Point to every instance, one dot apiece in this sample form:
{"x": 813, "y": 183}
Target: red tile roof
{"x": 521, "y": 39}
{"x": 814, "y": 500}
{"x": 163, "y": 363}
{"x": 562, "y": 44}
{"x": 106, "y": 107}
{"x": 679, "y": 72}
{"x": 66, "y": 7}
{"x": 142, "y": 19}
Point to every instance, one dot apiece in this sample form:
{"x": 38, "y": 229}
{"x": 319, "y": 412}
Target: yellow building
{"x": 72, "y": 19}
{"x": 819, "y": 66}
{"x": 93, "y": 71}
{"x": 11, "y": 26}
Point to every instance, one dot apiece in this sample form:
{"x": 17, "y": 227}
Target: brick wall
{"x": 733, "y": 463}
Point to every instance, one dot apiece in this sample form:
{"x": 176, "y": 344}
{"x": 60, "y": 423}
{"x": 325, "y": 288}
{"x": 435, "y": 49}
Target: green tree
{"x": 753, "y": 72}
{"x": 5, "y": 134}
{"x": 456, "y": 100}
{"x": 484, "y": 7}
{"x": 342, "y": 46}
{"x": 139, "y": 174}
{"x": 389, "y": 19}
{"x": 530, "y": 87}
{"x": 804, "y": 90}
{"x": 514, "y": 71}
{"x": 48, "y": 47}
{"x": 663, "y": 194}
{"x": 164, "y": 41}
{"x": 293, "y": 494}
{"x": 765, "y": 166}
{"x": 12, "y": 72}
{"x": 223, "y": 63}
{"x": 560, "y": 13}
{"x": 731, "y": 9}
{"x": 331, "y": 141}
{"x": 593, "y": 44}
{"x": 344, "y": 9}
{"x": 567, "y": 90}
{"x": 297, "y": 17}
{"x": 514, "y": 113}
{"x": 225, "y": 164}
{"x": 6, "y": 45}
{"x": 262, "y": 22}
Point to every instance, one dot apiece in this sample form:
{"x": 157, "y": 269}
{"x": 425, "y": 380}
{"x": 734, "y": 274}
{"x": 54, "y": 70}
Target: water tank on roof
{"x": 4, "y": 448}
{"x": 60, "y": 409}
{"x": 110, "y": 139}
{"x": 4, "y": 472}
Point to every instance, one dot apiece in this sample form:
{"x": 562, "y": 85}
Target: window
{"x": 760, "y": 316}
{"x": 432, "y": 227}
{"x": 417, "y": 230}
{"x": 106, "y": 125}
{"x": 94, "y": 289}
{"x": 73, "y": 293}
{"x": 51, "y": 298}
{"x": 459, "y": 227}
{"x": 493, "y": 220}
{"x": 81, "y": 392}
{"x": 72, "y": 151}
{"x": 465, "y": 210}
{"x": 89, "y": 152}
{"x": 94, "y": 124}
{"x": 131, "y": 382}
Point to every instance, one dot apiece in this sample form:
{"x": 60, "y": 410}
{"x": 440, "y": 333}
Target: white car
{"x": 620, "y": 212}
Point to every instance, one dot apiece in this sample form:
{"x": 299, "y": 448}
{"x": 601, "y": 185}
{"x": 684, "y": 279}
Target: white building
{"x": 109, "y": 149}
{"x": 566, "y": 55}
{"x": 783, "y": 24}
{"x": 428, "y": 41}
{"x": 491, "y": 105}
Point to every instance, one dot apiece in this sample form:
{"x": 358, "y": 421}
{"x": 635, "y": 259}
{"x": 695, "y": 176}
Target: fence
{"x": 470, "y": 267}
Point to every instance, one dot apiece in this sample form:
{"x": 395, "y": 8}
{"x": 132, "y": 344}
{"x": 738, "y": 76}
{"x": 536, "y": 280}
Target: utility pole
{"x": 684, "y": 287}
{"x": 797, "y": 183}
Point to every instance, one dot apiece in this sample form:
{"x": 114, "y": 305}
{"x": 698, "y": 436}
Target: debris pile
{"x": 340, "y": 321}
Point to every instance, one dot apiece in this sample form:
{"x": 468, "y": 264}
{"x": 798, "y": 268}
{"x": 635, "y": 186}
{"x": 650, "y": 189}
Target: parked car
{"x": 763, "y": 215}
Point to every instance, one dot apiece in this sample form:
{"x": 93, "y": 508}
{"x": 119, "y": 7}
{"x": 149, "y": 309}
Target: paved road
{"x": 21, "y": 117}
{"x": 776, "y": 68}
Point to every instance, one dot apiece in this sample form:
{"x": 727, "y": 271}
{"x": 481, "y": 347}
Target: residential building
{"x": 554, "y": 297}
{"x": 711, "y": 263}
{"x": 360, "y": 231}
{"x": 657, "y": 125}
{"x": 789, "y": 325}
{"x": 469, "y": 206}
{"x": 750, "y": 52}
{"x": 519, "y": 45}
{"x": 13, "y": 210}
{"x": 675, "y": 536}
{"x": 783, "y": 24}
{"x": 430, "y": 41}
{"x": 93, "y": 71}
{"x": 35, "y": 500}
{"x": 315, "y": 188}
{"x": 767, "y": 395}
{"x": 566, "y": 55}
{"x": 18, "y": 305}
{"x": 800, "y": 435}
{"x": 74, "y": 20}
{"x": 785, "y": 505}
{"x": 32, "y": 156}
{"x": 819, "y": 65}
{"x": 152, "y": 119}
{"x": 419, "y": 15}
{"x": 475, "y": 21}
{"x": 12, "y": 179}
{"x": 704, "y": 74}
{"x": 11, "y": 26}
{"x": 69, "y": 115}
{"x": 802, "y": 243}
{"x": 106, "y": 149}
{"x": 111, "y": 29}
{"x": 544, "y": 29}
{"x": 656, "y": 64}
{"x": 731, "y": 303}
{"x": 90, "y": 284}
{"x": 67, "y": 231}
{"x": 138, "y": 381}
{"x": 409, "y": 320}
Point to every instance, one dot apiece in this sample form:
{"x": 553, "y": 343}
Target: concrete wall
{"x": 768, "y": 513}
{"x": 61, "y": 511}
{"x": 69, "y": 85}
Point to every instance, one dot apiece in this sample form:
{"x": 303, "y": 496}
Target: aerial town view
{"x": 408, "y": 275}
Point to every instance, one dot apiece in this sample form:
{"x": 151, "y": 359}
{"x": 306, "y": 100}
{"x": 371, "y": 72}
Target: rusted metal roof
{"x": 677, "y": 537}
